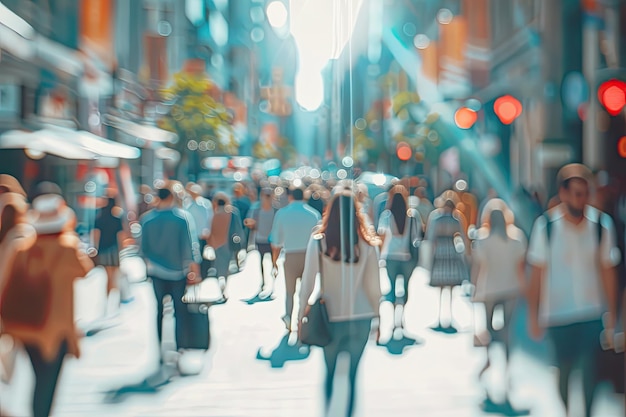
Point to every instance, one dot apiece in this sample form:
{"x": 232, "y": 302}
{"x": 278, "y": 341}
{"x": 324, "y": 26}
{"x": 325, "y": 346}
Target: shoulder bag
{"x": 314, "y": 327}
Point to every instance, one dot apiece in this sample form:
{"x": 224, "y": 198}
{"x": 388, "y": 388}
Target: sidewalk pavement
{"x": 252, "y": 370}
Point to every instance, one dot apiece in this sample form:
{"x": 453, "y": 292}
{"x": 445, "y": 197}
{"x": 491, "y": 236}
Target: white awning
{"x": 145, "y": 132}
{"x": 66, "y": 143}
{"x": 96, "y": 144}
{"x": 45, "y": 141}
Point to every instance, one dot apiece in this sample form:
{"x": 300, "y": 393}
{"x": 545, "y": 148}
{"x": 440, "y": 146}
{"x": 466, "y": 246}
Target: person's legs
{"x": 589, "y": 349}
{"x": 160, "y": 289}
{"x": 331, "y": 352}
{"x": 263, "y": 249}
{"x": 294, "y": 266}
{"x": 407, "y": 271}
{"x": 46, "y": 377}
{"x": 393, "y": 270}
{"x": 564, "y": 350}
{"x": 358, "y": 333}
{"x": 177, "y": 291}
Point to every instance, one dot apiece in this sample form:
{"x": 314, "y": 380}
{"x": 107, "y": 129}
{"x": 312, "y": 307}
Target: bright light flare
{"x": 277, "y": 14}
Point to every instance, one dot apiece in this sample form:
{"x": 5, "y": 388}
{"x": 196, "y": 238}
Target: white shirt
{"x": 498, "y": 263}
{"x": 293, "y": 225}
{"x": 572, "y": 288}
{"x": 351, "y": 290}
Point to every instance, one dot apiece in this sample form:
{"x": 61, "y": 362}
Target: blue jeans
{"x": 346, "y": 336}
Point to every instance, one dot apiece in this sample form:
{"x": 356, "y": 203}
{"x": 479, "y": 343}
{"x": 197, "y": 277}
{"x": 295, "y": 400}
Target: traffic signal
{"x": 404, "y": 151}
{"x": 465, "y": 117}
{"x": 507, "y": 108}
{"x": 612, "y": 96}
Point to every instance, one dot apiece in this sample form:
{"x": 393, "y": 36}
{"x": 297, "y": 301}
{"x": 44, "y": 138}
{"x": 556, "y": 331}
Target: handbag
{"x": 315, "y": 325}
{"x": 414, "y": 243}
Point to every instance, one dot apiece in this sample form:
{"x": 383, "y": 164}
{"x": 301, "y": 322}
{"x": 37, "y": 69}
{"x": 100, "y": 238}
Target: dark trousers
{"x": 576, "y": 347}
{"x": 46, "y": 377}
{"x": 176, "y": 289}
{"x": 263, "y": 248}
{"x": 351, "y": 337}
{"x": 396, "y": 268}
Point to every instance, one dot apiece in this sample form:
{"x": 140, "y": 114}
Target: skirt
{"x": 108, "y": 257}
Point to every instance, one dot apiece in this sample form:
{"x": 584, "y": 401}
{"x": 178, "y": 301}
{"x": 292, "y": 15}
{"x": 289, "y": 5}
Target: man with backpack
{"x": 573, "y": 285}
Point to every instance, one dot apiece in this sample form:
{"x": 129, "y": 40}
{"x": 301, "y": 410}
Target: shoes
{"x": 287, "y": 321}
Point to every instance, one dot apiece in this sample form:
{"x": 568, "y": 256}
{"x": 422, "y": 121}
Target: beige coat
{"x": 65, "y": 262}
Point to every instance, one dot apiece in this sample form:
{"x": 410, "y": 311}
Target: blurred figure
{"x": 467, "y": 203}
{"x": 241, "y": 200}
{"x": 400, "y": 227}
{"x": 422, "y": 204}
{"x": 259, "y": 220}
{"x": 498, "y": 271}
{"x": 362, "y": 195}
{"x": 37, "y": 304}
{"x": 201, "y": 210}
{"x": 170, "y": 249}
{"x": 225, "y": 227}
{"x": 146, "y": 199}
{"x": 573, "y": 282}
{"x": 290, "y": 233}
{"x": 446, "y": 233}
{"x": 346, "y": 249}
{"x": 108, "y": 236}
{"x": 316, "y": 198}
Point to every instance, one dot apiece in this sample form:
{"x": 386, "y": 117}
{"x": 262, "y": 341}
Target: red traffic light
{"x": 404, "y": 151}
{"x": 465, "y": 118}
{"x": 612, "y": 95}
{"x": 507, "y": 108}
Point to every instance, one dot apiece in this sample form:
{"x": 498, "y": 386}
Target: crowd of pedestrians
{"x": 331, "y": 236}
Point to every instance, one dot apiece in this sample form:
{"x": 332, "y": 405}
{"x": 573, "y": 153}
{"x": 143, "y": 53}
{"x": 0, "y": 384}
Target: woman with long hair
{"x": 449, "y": 244}
{"x": 498, "y": 269}
{"x": 401, "y": 228}
{"x": 349, "y": 270}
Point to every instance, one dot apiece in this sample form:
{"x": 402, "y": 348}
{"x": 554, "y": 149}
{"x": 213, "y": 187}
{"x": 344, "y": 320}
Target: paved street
{"x": 251, "y": 370}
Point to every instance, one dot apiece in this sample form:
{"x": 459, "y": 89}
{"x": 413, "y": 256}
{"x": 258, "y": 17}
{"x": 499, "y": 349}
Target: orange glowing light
{"x": 507, "y": 108}
{"x": 465, "y": 118}
{"x": 404, "y": 151}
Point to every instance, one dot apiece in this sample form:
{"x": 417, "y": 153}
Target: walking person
{"x": 108, "y": 236}
{"x": 201, "y": 210}
{"x": 401, "y": 228}
{"x": 347, "y": 251}
{"x": 170, "y": 249}
{"x": 225, "y": 239}
{"x": 498, "y": 273}
{"x": 445, "y": 232}
{"x": 38, "y": 299}
{"x": 573, "y": 285}
{"x": 259, "y": 220}
{"x": 290, "y": 233}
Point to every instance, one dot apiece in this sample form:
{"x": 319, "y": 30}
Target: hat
{"x": 51, "y": 214}
{"x": 11, "y": 184}
{"x": 570, "y": 171}
{"x": 47, "y": 187}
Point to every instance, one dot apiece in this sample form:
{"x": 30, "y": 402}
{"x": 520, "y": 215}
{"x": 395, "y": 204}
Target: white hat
{"x": 51, "y": 214}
